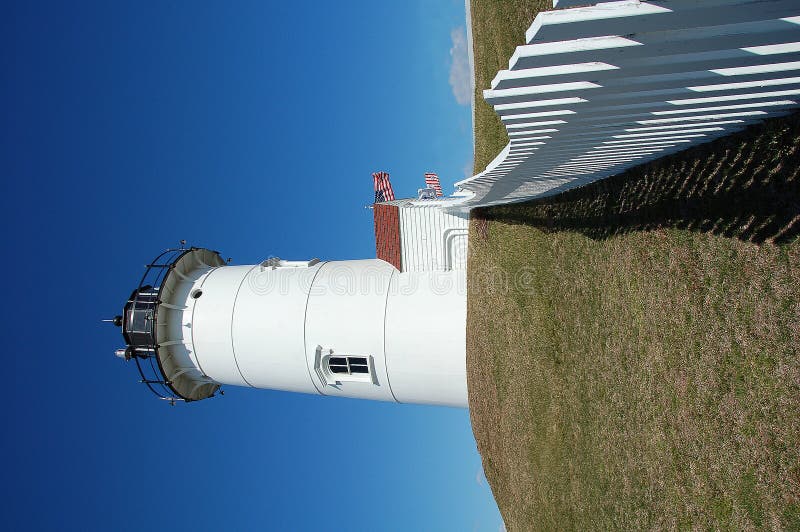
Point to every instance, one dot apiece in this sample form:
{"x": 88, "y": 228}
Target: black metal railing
{"x": 140, "y": 321}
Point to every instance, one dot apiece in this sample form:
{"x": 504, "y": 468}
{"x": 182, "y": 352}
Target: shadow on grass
{"x": 743, "y": 186}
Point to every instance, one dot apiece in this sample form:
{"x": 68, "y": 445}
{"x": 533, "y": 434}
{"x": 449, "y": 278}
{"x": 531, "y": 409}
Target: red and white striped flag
{"x": 432, "y": 181}
{"x": 383, "y": 189}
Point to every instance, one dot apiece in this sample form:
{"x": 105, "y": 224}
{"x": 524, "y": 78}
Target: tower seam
{"x": 305, "y": 325}
{"x": 385, "y": 354}
{"x": 233, "y": 312}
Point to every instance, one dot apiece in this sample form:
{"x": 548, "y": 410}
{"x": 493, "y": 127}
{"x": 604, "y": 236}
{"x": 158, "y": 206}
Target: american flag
{"x": 432, "y": 181}
{"x": 383, "y": 189}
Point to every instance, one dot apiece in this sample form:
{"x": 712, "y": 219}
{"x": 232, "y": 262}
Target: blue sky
{"x": 251, "y": 128}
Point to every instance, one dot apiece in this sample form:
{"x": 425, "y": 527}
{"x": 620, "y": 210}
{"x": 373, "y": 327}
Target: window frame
{"x": 331, "y": 378}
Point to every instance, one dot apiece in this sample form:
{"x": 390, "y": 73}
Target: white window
{"x": 348, "y": 365}
{"x": 335, "y": 368}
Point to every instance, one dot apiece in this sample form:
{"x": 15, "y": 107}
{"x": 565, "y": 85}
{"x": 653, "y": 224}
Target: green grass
{"x": 632, "y": 345}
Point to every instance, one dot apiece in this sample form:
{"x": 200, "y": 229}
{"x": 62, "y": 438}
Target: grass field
{"x": 633, "y": 344}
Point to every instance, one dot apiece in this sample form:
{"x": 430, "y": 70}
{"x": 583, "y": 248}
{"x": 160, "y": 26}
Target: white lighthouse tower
{"x": 360, "y": 328}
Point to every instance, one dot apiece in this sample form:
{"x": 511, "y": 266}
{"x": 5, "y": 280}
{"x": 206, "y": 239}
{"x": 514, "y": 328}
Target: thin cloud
{"x": 460, "y": 80}
{"x": 469, "y": 168}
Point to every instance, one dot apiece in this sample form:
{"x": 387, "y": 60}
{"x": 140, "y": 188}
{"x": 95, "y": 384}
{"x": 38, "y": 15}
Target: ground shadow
{"x": 744, "y": 186}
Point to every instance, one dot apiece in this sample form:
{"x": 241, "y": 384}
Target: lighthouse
{"x": 355, "y": 328}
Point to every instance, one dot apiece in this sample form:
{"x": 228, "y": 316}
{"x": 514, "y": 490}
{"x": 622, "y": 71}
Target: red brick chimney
{"x": 387, "y": 233}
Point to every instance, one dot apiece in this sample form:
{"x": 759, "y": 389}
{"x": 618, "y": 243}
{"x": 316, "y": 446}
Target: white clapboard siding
{"x": 432, "y": 239}
{"x": 604, "y": 87}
